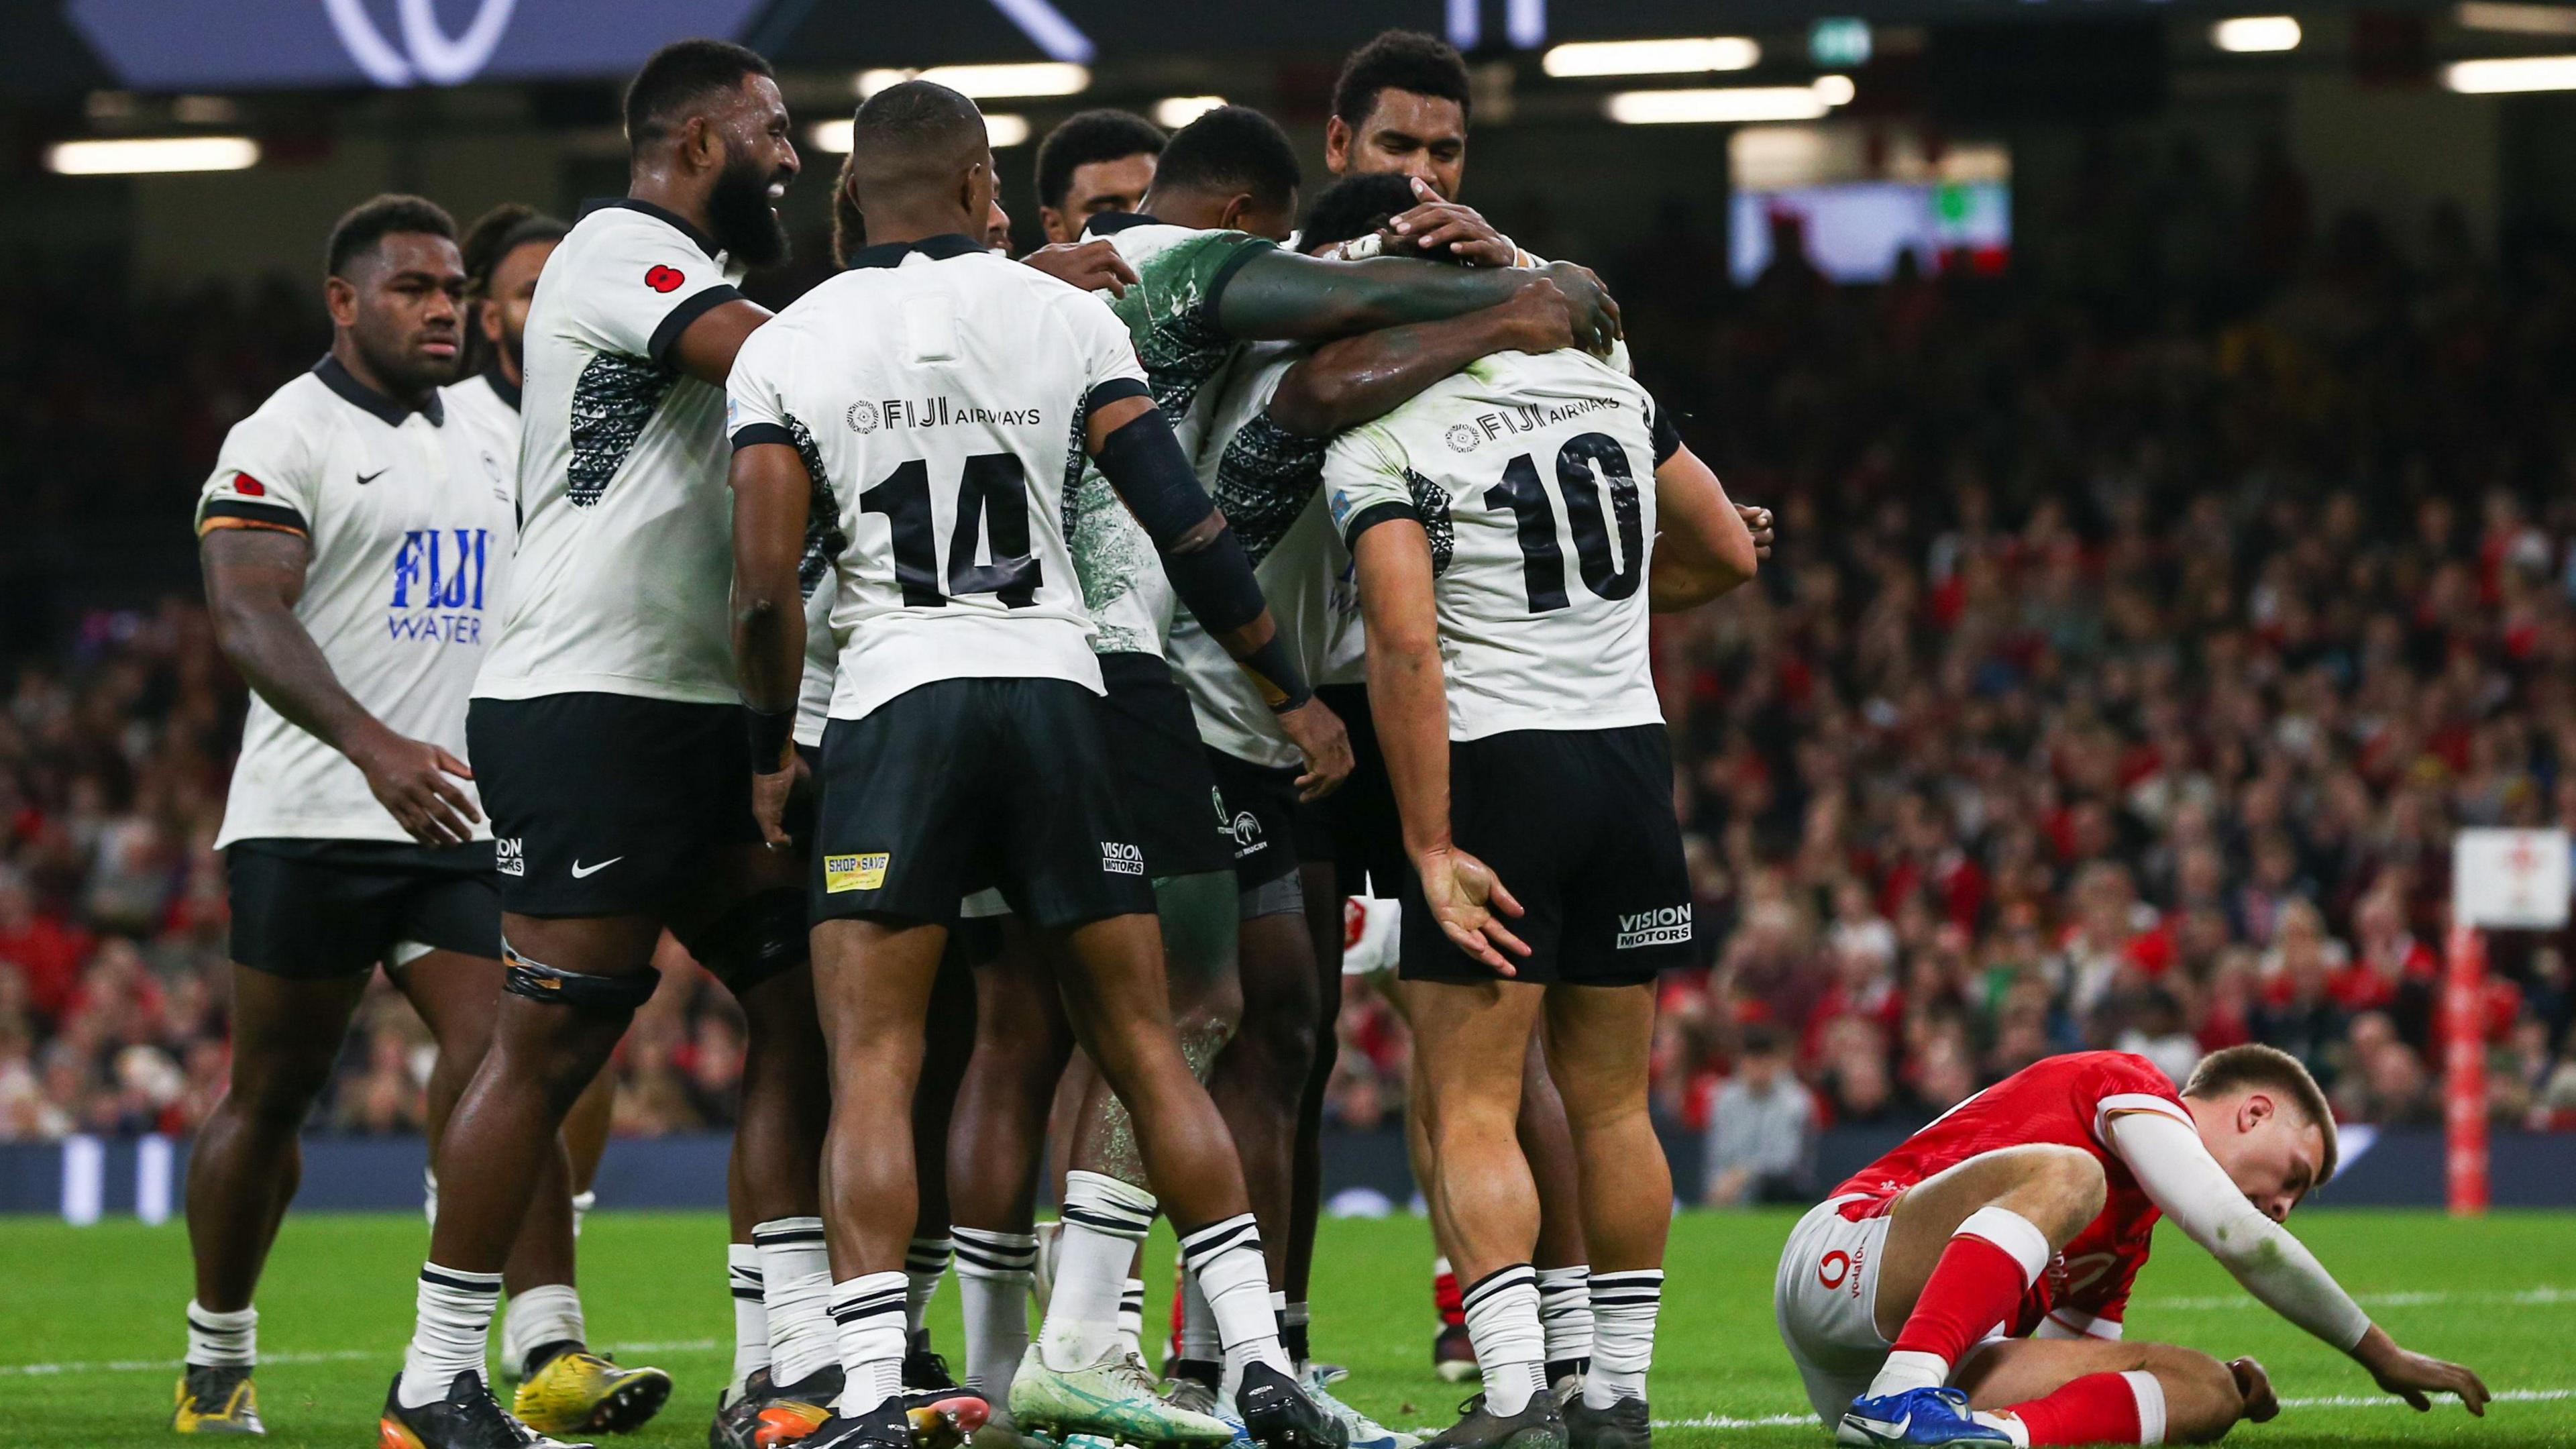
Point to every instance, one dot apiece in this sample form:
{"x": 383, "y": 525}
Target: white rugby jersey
{"x": 408, "y": 516}
{"x": 822, "y": 657}
{"x": 626, "y": 544}
{"x": 1170, "y": 315}
{"x": 1534, "y": 475}
{"x": 1269, "y": 482}
{"x": 936, "y": 393}
{"x": 493, "y": 401}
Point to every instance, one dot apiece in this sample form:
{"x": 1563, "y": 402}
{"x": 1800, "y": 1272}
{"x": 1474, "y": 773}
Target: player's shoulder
{"x": 302, "y": 409}
{"x": 622, "y": 243}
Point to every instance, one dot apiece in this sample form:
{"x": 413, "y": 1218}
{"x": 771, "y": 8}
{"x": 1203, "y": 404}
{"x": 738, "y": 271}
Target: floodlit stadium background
{"x": 2169, "y": 410}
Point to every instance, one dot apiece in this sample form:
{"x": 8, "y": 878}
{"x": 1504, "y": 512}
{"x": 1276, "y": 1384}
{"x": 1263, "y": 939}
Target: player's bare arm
{"x": 1409, "y": 700}
{"x": 253, "y": 578}
{"x": 1133, "y": 444}
{"x": 706, "y": 349}
{"x": 771, "y": 498}
{"x": 1355, "y": 379}
{"x": 1282, "y": 295}
{"x": 1704, "y": 545}
{"x": 1094, "y": 265}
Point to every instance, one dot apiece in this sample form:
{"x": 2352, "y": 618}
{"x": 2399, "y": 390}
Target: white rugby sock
{"x": 1565, "y": 1313}
{"x": 1199, "y": 1341}
{"x": 869, "y": 1312}
{"x": 750, "y": 1314}
{"x": 1511, "y": 1348}
{"x": 540, "y": 1316}
{"x": 1624, "y": 1306}
{"x": 993, "y": 1272}
{"x": 796, "y": 1289}
{"x": 1131, "y": 1318}
{"x": 924, "y": 1262}
{"x": 1226, "y": 1256}
{"x": 1104, "y": 1220}
{"x": 452, "y": 1333}
{"x": 222, "y": 1340}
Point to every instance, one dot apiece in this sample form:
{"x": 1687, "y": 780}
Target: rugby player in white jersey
{"x": 1262, "y": 461}
{"x": 929, "y": 398}
{"x": 355, "y": 535}
{"x": 606, "y": 714}
{"x": 1502, "y": 525}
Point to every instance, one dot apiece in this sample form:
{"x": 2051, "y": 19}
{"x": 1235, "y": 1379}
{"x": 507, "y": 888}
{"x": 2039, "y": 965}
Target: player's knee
{"x": 277, "y": 1089}
{"x": 2202, "y": 1401}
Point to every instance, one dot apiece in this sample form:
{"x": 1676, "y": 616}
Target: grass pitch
{"x": 90, "y": 1327}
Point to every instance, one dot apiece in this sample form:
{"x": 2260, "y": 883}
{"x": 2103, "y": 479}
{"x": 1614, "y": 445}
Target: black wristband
{"x": 1281, "y": 684}
{"x": 770, "y": 732}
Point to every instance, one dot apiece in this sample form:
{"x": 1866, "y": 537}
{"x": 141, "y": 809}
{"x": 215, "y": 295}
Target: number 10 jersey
{"x": 937, "y": 395}
{"x": 1534, "y": 477}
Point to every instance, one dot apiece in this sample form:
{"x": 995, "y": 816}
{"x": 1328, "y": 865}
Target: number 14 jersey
{"x": 1534, "y": 476}
{"x": 937, "y": 395}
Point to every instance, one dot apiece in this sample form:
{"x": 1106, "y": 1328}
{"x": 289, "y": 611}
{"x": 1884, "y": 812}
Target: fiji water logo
{"x": 438, "y": 585}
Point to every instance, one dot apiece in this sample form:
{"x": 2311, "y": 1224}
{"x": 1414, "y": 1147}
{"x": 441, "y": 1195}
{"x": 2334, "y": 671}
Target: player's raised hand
{"x": 1093, "y": 265}
{"x": 1469, "y": 901}
{"x": 1757, "y": 521}
{"x": 416, "y": 781}
{"x": 2254, "y": 1387}
{"x": 1318, "y": 734}
{"x": 1442, "y": 225}
{"x": 2415, "y": 1377}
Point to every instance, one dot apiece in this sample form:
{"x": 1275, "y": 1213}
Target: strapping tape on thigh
{"x": 538, "y": 981}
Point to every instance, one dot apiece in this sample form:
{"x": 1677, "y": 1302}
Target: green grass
{"x": 103, "y": 1303}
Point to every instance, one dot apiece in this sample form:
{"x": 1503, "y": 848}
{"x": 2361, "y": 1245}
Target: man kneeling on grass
{"x": 1968, "y": 1287}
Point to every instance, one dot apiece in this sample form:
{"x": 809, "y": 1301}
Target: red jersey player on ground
{"x": 1968, "y": 1287}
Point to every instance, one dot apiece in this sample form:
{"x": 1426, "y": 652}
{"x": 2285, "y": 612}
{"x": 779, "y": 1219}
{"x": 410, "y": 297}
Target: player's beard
{"x": 739, "y": 214}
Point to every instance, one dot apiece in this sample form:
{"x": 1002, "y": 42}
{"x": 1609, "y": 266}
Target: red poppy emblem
{"x": 663, "y": 279}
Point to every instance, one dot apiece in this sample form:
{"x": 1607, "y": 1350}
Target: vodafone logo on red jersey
{"x": 663, "y": 279}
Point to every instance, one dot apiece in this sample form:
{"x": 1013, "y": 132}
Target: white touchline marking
{"x": 337, "y": 1355}
{"x": 2523, "y": 1298}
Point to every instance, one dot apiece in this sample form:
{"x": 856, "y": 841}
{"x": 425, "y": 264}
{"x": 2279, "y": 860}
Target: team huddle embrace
{"x": 998, "y": 674}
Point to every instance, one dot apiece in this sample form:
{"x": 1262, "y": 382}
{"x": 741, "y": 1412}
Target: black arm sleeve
{"x": 1144, "y": 462}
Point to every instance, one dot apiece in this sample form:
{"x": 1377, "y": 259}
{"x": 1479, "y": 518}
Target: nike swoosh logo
{"x": 366, "y": 478}
{"x": 585, "y": 872}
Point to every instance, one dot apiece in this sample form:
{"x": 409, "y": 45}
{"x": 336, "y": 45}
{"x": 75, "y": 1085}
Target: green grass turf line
{"x": 2499, "y": 1294}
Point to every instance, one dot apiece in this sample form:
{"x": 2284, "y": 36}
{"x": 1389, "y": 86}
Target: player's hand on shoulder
{"x": 2416, "y": 1377}
{"x": 1469, "y": 901}
{"x": 2254, "y": 1386}
{"x": 416, "y": 781}
{"x": 1318, "y": 734}
{"x": 1596, "y": 316}
{"x": 1444, "y": 226}
{"x": 1542, "y": 316}
{"x": 1094, "y": 265}
{"x": 1758, "y": 522}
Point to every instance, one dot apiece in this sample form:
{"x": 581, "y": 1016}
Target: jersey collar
{"x": 673, "y": 219}
{"x": 502, "y": 388}
{"x": 357, "y": 394}
{"x": 1102, "y": 223}
{"x": 938, "y": 248}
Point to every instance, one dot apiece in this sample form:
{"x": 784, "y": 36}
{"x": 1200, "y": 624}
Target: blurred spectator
{"x": 1762, "y": 1131}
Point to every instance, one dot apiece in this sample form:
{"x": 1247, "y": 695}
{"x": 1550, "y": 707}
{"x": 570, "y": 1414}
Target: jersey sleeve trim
{"x": 1668, "y": 439}
{"x": 2075, "y": 1323}
{"x": 752, "y": 435}
{"x": 1375, "y": 514}
{"x": 2119, "y": 1102}
{"x": 1114, "y": 389}
{"x": 666, "y": 335}
{"x": 1252, "y": 247}
{"x": 243, "y": 513}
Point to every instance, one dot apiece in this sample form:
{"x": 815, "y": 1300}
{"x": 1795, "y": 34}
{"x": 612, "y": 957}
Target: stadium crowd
{"x": 2144, "y": 621}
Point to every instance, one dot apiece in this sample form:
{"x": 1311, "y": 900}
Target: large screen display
{"x": 1854, "y": 231}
